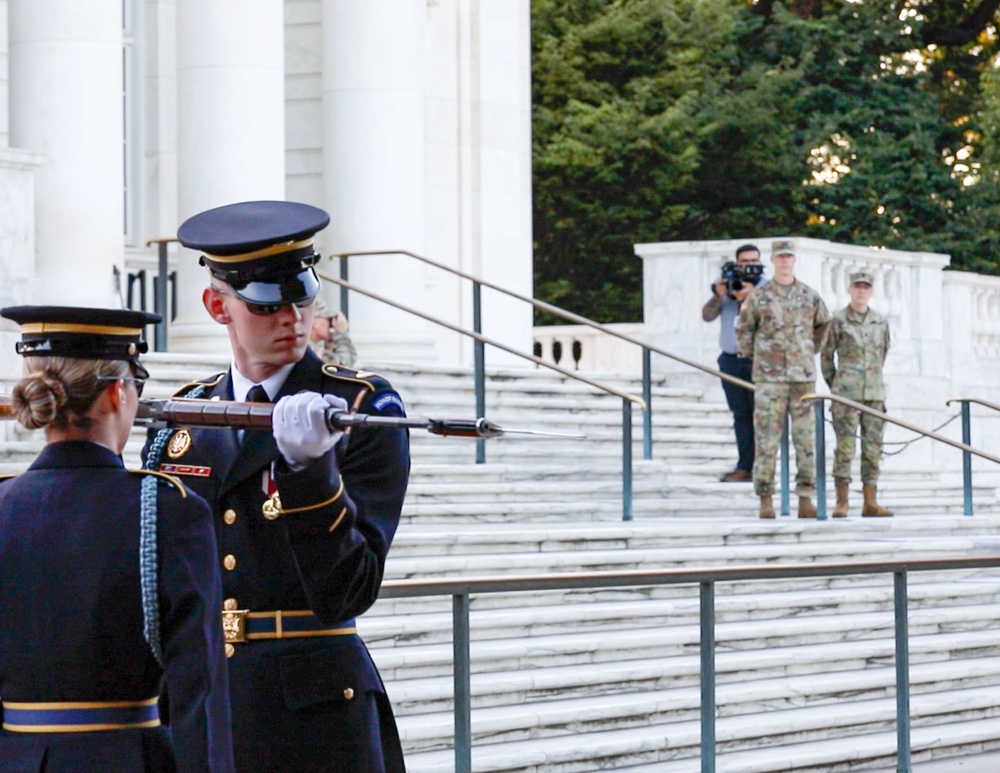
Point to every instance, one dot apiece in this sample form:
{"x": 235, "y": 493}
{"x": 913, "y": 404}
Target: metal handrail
{"x": 627, "y": 399}
{"x": 900, "y": 423}
{"x": 821, "y": 445}
{"x": 576, "y": 318}
{"x": 967, "y": 438}
{"x": 461, "y": 589}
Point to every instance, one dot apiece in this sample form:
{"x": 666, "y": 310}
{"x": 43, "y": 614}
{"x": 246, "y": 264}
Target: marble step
{"x": 675, "y": 533}
{"x": 409, "y": 658}
{"x": 947, "y": 659}
{"x": 539, "y": 715}
{"x": 782, "y": 732}
{"x": 452, "y": 566}
{"x": 943, "y": 743}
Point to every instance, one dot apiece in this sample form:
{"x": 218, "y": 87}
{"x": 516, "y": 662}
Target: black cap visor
{"x": 299, "y": 288}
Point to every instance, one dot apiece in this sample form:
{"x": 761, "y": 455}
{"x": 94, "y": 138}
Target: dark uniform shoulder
{"x": 165, "y": 479}
{"x": 7, "y": 477}
{"x": 203, "y": 385}
{"x": 364, "y": 388}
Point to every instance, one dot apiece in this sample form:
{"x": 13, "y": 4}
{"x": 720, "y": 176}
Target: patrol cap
{"x": 262, "y": 249}
{"x": 320, "y": 311}
{"x": 82, "y": 333}
{"x": 782, "y": 248}
{"x": 862, "y": 277}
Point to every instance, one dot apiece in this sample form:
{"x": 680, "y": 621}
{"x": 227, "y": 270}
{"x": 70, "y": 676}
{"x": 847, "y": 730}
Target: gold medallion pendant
{"x": 180, "y": 444}
{"x": 272, "y": 507}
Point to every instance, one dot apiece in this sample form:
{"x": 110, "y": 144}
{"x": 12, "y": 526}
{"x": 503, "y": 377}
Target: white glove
{"x": 298, "y": 424}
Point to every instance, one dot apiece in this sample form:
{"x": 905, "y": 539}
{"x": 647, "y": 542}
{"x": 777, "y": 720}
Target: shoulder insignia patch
{"x": 383, "y": 401}
{"x": 171, "y": 479}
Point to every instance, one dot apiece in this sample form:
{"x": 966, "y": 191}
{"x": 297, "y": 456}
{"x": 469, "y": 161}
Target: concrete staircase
{"x": 583, "y": 681}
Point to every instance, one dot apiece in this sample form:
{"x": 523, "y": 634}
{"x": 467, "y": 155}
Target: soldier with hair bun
{"x": 109, "y": 586}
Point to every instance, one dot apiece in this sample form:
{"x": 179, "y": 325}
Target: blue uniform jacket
{"x": 310, "y": 703}
{"x": 71, "y": 620}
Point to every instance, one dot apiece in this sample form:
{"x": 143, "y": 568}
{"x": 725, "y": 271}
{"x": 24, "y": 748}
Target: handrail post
{"x": 903, "y": 764}
{"x": 463, "y": 683}
{"x": 966, "y": 458}
{"x": 626, "y": 460}
{"x": 479, "y": 350}
{"x": 647, "y": 412}
{"x": 707, "y": 677}
{"x": 343, "y": 290}
{"x": 819, "y": 406}
{"x": 160, "y": 302}
{"x": 785, "y": 508}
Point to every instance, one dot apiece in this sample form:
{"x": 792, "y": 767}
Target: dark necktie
{"x": 257, "y": 394}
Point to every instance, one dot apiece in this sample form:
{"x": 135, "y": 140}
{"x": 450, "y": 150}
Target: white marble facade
{"x": 408, "y": 120}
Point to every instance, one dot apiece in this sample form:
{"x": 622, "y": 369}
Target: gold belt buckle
{"x": 234, "y": 625}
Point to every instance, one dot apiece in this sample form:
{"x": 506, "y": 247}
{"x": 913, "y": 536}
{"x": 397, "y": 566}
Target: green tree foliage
{"x": 863, "y": 122}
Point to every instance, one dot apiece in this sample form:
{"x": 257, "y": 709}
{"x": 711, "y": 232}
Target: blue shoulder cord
{"x": 148, "y": 562}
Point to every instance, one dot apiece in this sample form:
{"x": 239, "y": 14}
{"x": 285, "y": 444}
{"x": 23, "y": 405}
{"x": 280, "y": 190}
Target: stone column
{"x": 231, "y": 131}
{"x": 66, "y": 103}
{"x": 374, "y": 163}
{"x": 4, "y": 77}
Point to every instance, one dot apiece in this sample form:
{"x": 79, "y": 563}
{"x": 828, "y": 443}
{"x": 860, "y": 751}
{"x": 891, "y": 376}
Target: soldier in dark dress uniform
{"x": 304, "y": 517}
{"x": 110, "y": 585}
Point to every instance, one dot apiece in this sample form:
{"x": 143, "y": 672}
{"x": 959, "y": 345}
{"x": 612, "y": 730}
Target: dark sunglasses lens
{"x": 139, "y": 386}
{"x": 263, "y": 309}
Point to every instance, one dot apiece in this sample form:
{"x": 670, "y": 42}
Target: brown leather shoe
{"x": 736, "y": 476}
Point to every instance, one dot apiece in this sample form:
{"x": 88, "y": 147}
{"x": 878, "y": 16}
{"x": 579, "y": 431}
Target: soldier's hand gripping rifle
{"x": 183, "y": 412}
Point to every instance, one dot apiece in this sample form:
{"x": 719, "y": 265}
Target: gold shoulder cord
{"x": 191, "y": 384}
{"x": 173, "y": 480}
{"x": 318, "y": 505}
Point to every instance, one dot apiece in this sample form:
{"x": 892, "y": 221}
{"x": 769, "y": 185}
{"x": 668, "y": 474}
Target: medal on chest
{"x": 272, "y": 505}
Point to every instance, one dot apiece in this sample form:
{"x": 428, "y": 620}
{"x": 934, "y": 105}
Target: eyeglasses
{"x": 140, "y": 383}
{"x": 266, "y": 309}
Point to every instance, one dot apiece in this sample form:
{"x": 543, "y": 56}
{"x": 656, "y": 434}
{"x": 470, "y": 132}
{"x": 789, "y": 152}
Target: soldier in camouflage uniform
{"x": 782, "y": 326}
{"x": 852, "y": 362}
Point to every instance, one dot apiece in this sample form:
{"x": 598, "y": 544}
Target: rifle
{"x": 183, "y": 412}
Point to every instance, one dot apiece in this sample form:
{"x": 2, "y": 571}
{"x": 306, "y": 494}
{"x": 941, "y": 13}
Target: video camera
{"x": 736, "y": 274}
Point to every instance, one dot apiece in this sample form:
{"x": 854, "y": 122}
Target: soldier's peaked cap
{"x": 81, "y": 333}
{"x": 862, "y": 277}
{"x": 262, "y": 249}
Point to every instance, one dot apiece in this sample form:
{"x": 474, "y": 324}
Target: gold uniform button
{"x": 230, "y": 650}
{"x": 229, "y": 562}
{"x": 348, "y": 693}
{"x": 229, "y": 604}
{"x": 229, "y": 516}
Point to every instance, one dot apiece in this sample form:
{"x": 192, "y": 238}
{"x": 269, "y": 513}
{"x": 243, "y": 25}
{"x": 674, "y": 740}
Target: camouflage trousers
{"x": 845, "y": 424}
{"x": 772, "y": 401}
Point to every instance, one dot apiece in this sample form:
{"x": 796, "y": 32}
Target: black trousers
{"x": 740, "y": 402}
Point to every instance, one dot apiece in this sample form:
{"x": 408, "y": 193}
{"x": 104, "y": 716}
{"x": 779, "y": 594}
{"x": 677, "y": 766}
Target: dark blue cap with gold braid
{"x": 81, "y": 333}
{"x": 262, "y": 249}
